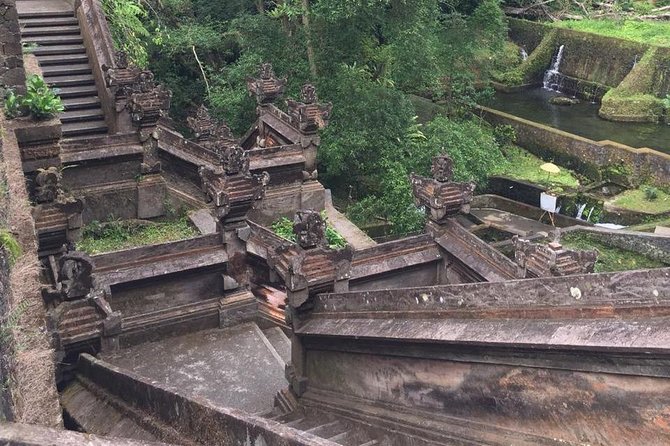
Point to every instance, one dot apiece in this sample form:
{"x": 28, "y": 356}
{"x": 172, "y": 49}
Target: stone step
{"x": 45, "y": 14}
{"x": 71, "y": 129}
{"x": 69, "y": 70}
{"x": 81, "y": 103}
{"x": 59, "y": 30}
{"x": 70, "y": 80}
{"x": 51, "y": 50}
{"x": 81, "y": 115}
{"x": 77, "y": 91}
{"x": 41, "y": 22}
{"x": 53, "y": 40}
{"x": 60, "y": 59}
{"x": 328, "y": 430}
{"x": 280, "y": 342}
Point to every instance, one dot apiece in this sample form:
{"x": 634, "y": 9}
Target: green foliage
{"x": 525, "y": 166}
{"x": 115, "y": 235}
{"x": 504, "y": 135}
{"x": 125, "y": 18}
{"x": 610, "y": 258}
{"x": 650, "y": 193}
{"x": 532, "y": 68}
{"x": 469, "y": 143}
{"x": 12, "y": 104}
{"x": 40, "y": 101}
{"x": 10, "y": 245}
{"x": 647, "y": 32}
{"x": 283, "y": 227}
{"x": 647, "y": 199}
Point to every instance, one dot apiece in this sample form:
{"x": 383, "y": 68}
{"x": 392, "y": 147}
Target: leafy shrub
{"x": 10, "y": 245}
{"x": 128, "y": 30}
{"x": 40, "y": 100}
{"x": 504, "y": 135}
{"x": 650, "y": 193}
{"x": 12, "y": 104}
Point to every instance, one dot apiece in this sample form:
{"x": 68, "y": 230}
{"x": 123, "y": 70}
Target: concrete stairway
{"x": 329, "y": 427}
{"x": 53, "y": 36}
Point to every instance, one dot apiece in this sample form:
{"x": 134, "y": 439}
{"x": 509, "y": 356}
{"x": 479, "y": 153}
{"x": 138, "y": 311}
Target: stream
{"x": 581, "y": 119}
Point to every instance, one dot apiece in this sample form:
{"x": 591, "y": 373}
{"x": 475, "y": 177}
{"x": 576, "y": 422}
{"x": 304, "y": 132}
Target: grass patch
{"x": 10, "y": 245}
{"x": 638, "y": 200}
{"x": 610, "y": 258}
{"x": 283, "y": 227}
{"x": 117, "y": 235}
{"x": 652, "y": 33}
{"x": 525, "y": 166}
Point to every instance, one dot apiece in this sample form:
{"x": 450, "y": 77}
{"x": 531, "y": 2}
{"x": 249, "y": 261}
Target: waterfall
{"x": 524, "y": 54}
{"x": 588, "y": 217}
{"x": 551, "y": 79}
{"x": 635, "y": 61}
{"x": 580, "y": 212}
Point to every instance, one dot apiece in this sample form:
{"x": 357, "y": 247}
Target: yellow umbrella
{"x": 550, "y": 167}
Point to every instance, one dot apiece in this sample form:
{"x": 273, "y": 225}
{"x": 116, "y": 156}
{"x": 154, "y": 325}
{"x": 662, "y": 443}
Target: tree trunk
{"x": 308, "y": 33}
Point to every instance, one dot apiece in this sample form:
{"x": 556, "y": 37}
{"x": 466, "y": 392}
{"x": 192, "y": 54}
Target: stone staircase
{"x": 54, "y": 37}
{"x": 330, "y": 427}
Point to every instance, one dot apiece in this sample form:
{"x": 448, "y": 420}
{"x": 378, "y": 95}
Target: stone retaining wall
{"x": 584, "y": 155}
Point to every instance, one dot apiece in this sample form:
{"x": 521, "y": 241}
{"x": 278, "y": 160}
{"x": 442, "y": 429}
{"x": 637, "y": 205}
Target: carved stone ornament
{"x": 268, "y": 86}
{"x": 308, "y": 94}
{"x": 47, "y": 185}
{"x": 309, "y": 229}
{"x": 442, "y": 168}
{"x": 307, "y": 115}
{"x": 75, "y": 279}
{"x": 234, "y": 160}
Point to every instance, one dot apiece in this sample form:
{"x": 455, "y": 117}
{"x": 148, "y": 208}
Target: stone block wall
{"x": 12, "y": 73}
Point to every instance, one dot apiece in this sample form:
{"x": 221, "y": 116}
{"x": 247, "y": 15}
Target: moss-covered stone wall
{"x": 631, "y": 79}
{"x": 590, "y": 158}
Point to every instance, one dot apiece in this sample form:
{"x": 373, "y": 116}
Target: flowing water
{"x": 581, "y": 119}
{"x": 552, "y": 77}
{"x": 524, "y": 54}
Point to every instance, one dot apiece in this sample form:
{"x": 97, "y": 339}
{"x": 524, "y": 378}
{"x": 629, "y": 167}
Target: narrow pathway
{"x": 50, "y": 30}
{"x": 512, "y": 223}
{"x": 352, "y": 233}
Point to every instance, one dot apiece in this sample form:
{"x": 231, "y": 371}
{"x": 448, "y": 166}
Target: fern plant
{"x": 128, "y": 31}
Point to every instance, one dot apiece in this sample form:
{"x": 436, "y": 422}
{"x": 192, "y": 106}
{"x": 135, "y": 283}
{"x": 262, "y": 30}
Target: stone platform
{"x": 237, "y": 367}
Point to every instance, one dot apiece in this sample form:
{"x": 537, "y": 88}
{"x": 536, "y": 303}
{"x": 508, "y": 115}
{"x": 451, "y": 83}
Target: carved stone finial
{"x": 268, "y": 86}
{"x": 308, "y": 94}
{"x": 542, "y": 260}
{"x": 47, "y": 185}
{"x": 75, "y": 279}
{"x": 442, "y": 168}
{"x": 121, "y": 60}
{"x": 266, "y": 71}
{"x": 208, "y": 132}
{"x": 310, "y": 229}
{"x": 307, "y": 115}
{"x": 235, "y": 160}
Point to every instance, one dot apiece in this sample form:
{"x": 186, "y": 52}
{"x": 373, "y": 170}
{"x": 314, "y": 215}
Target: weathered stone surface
{"x": 203, "y": 220}
{"x": 12, "y": 434}
{"x": 151, "y": 195}
{"x": 240, "y": 370}
{"x": 12, "y": 74}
